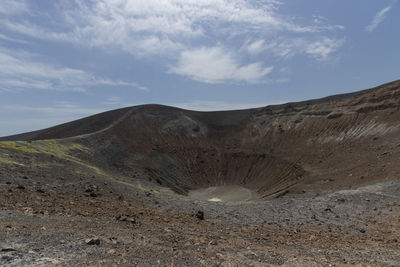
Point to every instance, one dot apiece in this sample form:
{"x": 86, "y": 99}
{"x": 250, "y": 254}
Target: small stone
{"x": 121, "y": 218}
{"x": 111, "y": 251}
{"x": 21, "y": 187}
{"x": 6, "y": 258}
{"x": 212, "y": 243}
{"x": 40, "y": 191}
{"x": 362, "y": 231}
{"x": 7, "y": 250}
{"x": 200, "y": 215}
{"x": 131, "y": 220}
{"x": 126, "y": 218}
{"x": 93, "y": 241}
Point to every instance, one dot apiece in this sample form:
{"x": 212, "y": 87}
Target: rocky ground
{"x": 95, "y": 221}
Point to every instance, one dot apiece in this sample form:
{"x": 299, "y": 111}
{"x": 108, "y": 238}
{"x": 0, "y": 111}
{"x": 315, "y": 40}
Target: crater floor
{"x": 228, "y": 193}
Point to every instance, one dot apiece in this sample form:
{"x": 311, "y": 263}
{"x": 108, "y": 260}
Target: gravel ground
{"x": 107, "y": 223}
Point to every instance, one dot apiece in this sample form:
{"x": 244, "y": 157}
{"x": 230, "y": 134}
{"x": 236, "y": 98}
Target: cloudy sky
{"x": 66, "y": 59}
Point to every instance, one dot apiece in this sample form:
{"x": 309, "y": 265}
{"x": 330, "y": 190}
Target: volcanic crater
{"x": 243, "y": 157}
{"x": 266, "y": 151}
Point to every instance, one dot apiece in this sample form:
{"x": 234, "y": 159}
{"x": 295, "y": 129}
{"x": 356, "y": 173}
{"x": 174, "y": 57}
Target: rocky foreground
{"x": 93, "y": 220}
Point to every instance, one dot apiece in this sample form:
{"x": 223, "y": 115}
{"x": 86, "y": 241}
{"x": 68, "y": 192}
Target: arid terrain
{"x": 313, "y": 183}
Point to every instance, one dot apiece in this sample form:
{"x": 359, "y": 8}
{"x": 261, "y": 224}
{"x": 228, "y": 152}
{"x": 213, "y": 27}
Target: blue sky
{"x": 66, "y": 59}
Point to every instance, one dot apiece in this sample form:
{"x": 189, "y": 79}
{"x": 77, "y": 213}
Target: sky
{"x": 62, "y": 60}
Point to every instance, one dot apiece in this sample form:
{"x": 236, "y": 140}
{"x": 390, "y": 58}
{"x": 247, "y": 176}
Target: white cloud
{"x": 12, "y": 7}
{"x": 10, "y": 39}
{"x": 20, "y": 70}
{"x": 323, "y": 48}
{"x": 379, "y": 17}
{"x": 35, "y": 31}
{"x": 320, "y": 48}
{"x": 164, "y": 27}
{"x": 219, "y": 105}
{"x": 215, "y": 65}
{"x": 121, "y": 83}
{"x": 256, "y": 47}
{"x": 179, "y": 30}
{"x": 177, "y": 17}
{"x": 153, "y": 27}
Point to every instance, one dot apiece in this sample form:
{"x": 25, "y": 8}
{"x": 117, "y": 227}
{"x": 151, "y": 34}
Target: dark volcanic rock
{"x": 200, "y": 215}
{"x": 93, "y": 241}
